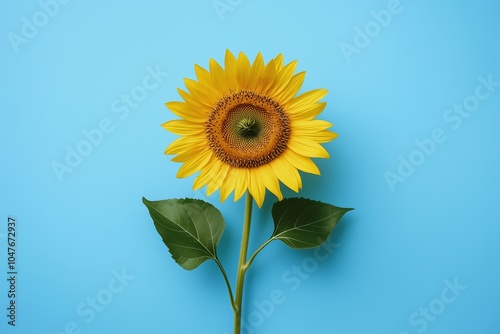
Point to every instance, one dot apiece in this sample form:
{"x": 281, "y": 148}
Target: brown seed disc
{"x": 246, "y": 129}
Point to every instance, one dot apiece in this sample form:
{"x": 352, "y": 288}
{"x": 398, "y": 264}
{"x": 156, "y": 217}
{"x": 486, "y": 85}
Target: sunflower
{"x": 244, "y": 128}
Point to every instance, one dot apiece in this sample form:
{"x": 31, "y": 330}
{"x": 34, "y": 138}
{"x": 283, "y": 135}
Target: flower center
{"x": 248, "y": 127}
{"x": 247, "y": 130}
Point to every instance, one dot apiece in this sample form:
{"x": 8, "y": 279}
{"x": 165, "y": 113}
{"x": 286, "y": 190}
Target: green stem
{"x": 242, "y": 265}
{"x": 249, "y": 263}
{"x": 231, "y": 298}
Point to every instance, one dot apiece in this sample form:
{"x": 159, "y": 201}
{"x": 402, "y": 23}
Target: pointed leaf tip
{"x": 304, "y": 223}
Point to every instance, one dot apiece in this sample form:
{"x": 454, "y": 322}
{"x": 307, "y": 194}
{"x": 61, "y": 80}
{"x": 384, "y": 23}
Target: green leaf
{"x": 190, "y": 228}
{"x": 304, "y": 223}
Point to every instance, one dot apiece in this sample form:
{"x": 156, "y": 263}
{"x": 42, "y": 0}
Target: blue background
{"x": 393, "y": 255}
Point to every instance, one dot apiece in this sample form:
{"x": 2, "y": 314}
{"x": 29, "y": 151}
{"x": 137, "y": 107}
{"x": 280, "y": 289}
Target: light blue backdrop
{"x": 414, "y": 92}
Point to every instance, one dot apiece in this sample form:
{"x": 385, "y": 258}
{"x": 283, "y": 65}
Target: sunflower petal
{"x": 292, "y": 88}
{"x": 278, "y": 62}
{"x": 230, "y": 67}
{"x": 283, "y": 78}
{"x": 192, "y": 166}
{"x": 270, "y": 180}
{"x": 202, "y": 74}
{"x": 200, "y": 91}
{"x": 310, "y": 126}
{"x": 186, "y": 111}
{"x": 268, "y": 77}
{"x": 243, "y": 68}
{"x": 286, "y": 173}
{"x": 185, "y": 144}
{"x": 307, "y": 147}
{"x": 241, "y": 183}
{"x": 202, "y": 107}
{"x": 308, "y": 112}
{"x": 322, "y": 136}
{"x": 183, "y": 128}
{"x": 256, "y": 187}
{"x": 307, "y": 99}
{"x": 301, "y": 162}
{"x": 229, "y": 184}
{"x": 256, "y": 71}
{"x": 218, "y": 78}
{"x": 188, "y": 155}
{"x": 217, "y": 178}
{"x": 207, "y": 173}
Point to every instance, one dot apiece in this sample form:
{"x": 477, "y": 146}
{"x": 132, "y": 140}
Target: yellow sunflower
{"x": 244, "y": 127}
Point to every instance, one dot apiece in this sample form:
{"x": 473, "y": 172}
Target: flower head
{"x": 244, "y": 127}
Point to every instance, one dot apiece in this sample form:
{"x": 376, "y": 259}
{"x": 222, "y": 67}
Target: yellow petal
{"x": 308, "y": 112}
{"x": 192, "y": 166}
{"x": 202, "y": 74}
{"x": 241, "y": 183}
{"x": 300, "y": 162}
{"x": 183, "y": 128}
{"x": 256, "y": 72}
{"x": 292, "y": 88}
{"x": 218, "y": 178}
{"x": 309, "y": 126}
{"x": 278, "y": 62}
{"x": 229, "y": 184}
{"x": 256, "y": 187}
{"x": 188, "y": 155}
{"x": 185, "y": 144}
{"x": 306, "y": 100}
{"x": 322, "y": 136}
{"x": 282, "y": 78}
{"x": 268, "y": 77}
{"x": 307, "y": 147}
{"x": 187, "y": 111}
{"x": 313, "y": 129}
{"x": 200, "y": 106}
{"x": 230, "y": 66}
{"x": 218, "y": 78}
{"x": 243, "y": 67}
{"x": 207, "y": 173}
{"x": 286, "y": 173}
{"x": 270, "y": 180}
{"x": 201, "y": 92}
